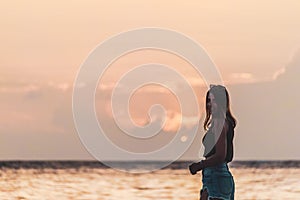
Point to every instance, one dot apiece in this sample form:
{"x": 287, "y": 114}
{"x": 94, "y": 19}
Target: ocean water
{"x": 92, "y": 180}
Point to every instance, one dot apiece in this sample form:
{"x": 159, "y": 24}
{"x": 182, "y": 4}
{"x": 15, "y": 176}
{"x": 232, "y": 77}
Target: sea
{"x": 89, "y": 180}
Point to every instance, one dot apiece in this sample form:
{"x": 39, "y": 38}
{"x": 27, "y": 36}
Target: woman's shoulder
{"x": 221, "y": 123}
{"x": 220, "y": 126}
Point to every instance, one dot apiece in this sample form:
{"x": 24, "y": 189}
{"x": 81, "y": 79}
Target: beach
{"x": 102, "y": 183}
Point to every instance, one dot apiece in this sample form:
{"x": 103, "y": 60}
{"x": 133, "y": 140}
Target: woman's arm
{"x": 220, "y": 130}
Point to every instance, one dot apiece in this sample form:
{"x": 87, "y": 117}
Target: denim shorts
{"x": 218, "y": 182}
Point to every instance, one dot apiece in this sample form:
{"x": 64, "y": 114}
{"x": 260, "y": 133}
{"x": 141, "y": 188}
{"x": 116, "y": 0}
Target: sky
{"x": 254, "y": 44}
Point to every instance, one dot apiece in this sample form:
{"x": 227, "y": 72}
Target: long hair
{"x": 222, "y": 100}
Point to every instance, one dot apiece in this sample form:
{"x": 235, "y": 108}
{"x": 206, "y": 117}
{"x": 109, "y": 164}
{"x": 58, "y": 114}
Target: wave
{"x": 138, "y": 165}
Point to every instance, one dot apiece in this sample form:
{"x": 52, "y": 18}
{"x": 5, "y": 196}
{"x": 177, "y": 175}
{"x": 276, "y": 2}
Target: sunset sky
{"x": 254, "y": 44}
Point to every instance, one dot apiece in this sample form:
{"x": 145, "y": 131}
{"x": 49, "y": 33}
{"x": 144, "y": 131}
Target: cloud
{"x": 175, "y": 120}
{"x": 32, "y": 107}
{"x": 8, "y": 121}
{"x": 19, "y": 87}
{"x": 107, "y": 86}
{"x": 63, "y": 86}
{"x": 291, "y": 71}
{"x": 243, "y": 77}
{"x": 267, "y": 115}
{"x": 32, "y": 91}
{"x": 153, "y": 88}
{"x": 278, "y": 73}
{"x": 33, "y": 144}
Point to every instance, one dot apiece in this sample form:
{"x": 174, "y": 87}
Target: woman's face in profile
{"x": 212, "y": 105}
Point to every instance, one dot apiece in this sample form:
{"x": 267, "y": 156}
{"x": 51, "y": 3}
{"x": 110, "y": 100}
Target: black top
{"x": 209, "y": 142}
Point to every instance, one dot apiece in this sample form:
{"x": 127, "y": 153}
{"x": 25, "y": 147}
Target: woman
{"x": 219, "y": 125}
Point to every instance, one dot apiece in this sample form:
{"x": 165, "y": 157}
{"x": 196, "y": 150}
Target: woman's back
{"x": 209, "y": 142}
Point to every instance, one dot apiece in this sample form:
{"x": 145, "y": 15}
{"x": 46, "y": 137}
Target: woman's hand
{"x": 195, "y": 167}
